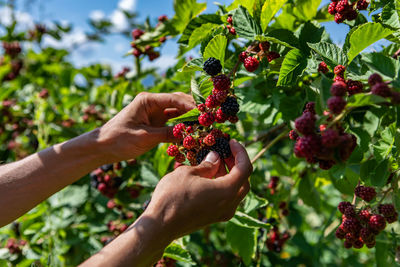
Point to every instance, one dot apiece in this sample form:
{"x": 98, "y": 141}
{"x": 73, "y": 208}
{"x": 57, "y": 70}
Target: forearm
{"x": 26, "y": 183}
{"x": 142, "y": 244}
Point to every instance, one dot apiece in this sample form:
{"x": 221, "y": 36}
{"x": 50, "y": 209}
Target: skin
{"x": 184, "y": 200}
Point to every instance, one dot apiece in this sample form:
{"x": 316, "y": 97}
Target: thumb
{"x": 161, "y": 134}
{"x": 209, "y": 166}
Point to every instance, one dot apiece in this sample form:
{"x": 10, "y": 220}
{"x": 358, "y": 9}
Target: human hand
{"x": 140, "y": 126}
{"x": 186, "y": 199}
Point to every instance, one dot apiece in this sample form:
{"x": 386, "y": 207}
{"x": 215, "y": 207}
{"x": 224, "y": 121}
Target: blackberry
{"x": 189, "y": 142}
{"x": 230, "y": 107}
{"x": 364, "y": 215}
{"x": 366, "y": 235}
{"x": 338, "y": 89}
{"x": 93, "y": 180}
{"x": 273, "y": 55}
{"x": 340, "y": 233}
{"x": 336, "y": 104}
{"x": 178, "y": 129}
{"x": 251, "y": 64}
{"x": 343, "y": 206}
{"x": 374, "y": 79}
{"x": 264, "y": 46}
{"x": 222, "y": 147}
{"x": 212, "y": 101}
{"x": 220, "y": 117}
{"x": 392, "y": 218}
{"x": 136, "y": 33}
{"x": 293, "y": 135}
{"x": 221, "y": 82}
{"x": 180, "y": 158}
{"x": 307, "y": 146}
{"x": 340, "y": 69}
{"x": 354, "y": 87}
{"x": 107, "y": 167}
{"x": 386, "y": 210}
{"x": 242, "y": 56}
{"x": 377, "y": 222}
{"x": 172, "y": 151}
{"x": 330, "y": 138}
{"x": 362, "y": 5}
{"x": 206, "y": 119}
{"x": 201, "y": 155}
{"x": 191, "y": 123}
{"x": 381, "y": 89}
{"x": 305, "y": 124}
{"x": 212, "y": 66}
{"x": 332, "y": 8}
{"x": 310, "y": 107}
{"x": 322, "y": 67}
{"x": 365, "y": 192}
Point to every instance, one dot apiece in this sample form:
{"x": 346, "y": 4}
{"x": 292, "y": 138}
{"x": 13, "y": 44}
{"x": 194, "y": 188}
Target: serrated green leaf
{"x": 363, "y": 36}
{"x": 244, "y": 24}
{"x": 196, "y": 23}
{"x": 188, "y": 116}
{"x": 243, "y": 240}
{"x": 331, "y": 53}
{"x": 193, "y": 65}
{"x": 269, "y": 9}
{"x": 216, "y": 48}
{"x": 194, "y": 89}
{"x": 177, "y": 252}
{"x": 243, "y": 219}
{"x": 386, "y": 66}
{"x": 390, "y": 15}
{"x": 292, "y": 67}
{"x": 199, "y": 34}
{"x": 252, "y": 202}
{"x": 306, "y": 9}
{"x": 359, "y": 100}
{"x": 185, "y": 10}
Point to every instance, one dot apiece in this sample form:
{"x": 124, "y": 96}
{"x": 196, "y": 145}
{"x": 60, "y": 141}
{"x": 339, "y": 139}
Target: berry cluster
{"x": 360, "y": 226}
{"x": 200, "y": 137}
{"x": 92, "y": 114}
{"x": 344, "y": 9}
{"x": 148, "y": 49}
{"x": 165, "y": 262}
{"x": 273, "y": 184}
{"x": 14, "y": 246}
{"x": 381, "y": 88}
{"x": 12, "y": 48}
{"x": 327, "y": 145}
{"x": 230, "y": 25}
{"x": 277, "y": 240}
{"x": 261, "y": 51}
{"x": 122, "y": 73}
{"x": 105, "y": 180}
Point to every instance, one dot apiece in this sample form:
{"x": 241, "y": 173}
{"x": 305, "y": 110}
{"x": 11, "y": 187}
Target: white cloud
{"x": 97, "y": 15}
{"x": 162, "y": 63}
{"x": 25, "y": 21}
{"x": 76, "y": 37}
{"x": 128, "y": 5}
{"x": 119, "y": 20}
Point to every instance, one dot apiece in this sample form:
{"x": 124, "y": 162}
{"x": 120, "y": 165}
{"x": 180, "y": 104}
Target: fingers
{"x": 241, "y": 169}
{"x": 209, "y": 167}
{"x": 161, "y": 135}
{"x": 221, "y": 171}
{"x": 180, "y": 101}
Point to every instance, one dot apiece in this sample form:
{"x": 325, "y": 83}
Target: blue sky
{"x": 112, "y": 51}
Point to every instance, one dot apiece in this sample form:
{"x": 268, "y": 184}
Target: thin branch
{"x": 265, "y": 135}
{"x": 354, "y": 196}
{"x": 269, "y": 145}
{"x": 396, "y": 55}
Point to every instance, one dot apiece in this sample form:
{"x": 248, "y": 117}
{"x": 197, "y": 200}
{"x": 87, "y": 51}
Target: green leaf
{"x": 280, "y": 36}
{"x": 193, "y": 65}
{"x": 185, "y": 10}
{"x": 359, "y": 100}
{"x": 390, "y": 15}
{"x": 248, "y": 4}
{"x": 332, "y": 54}
{"x": 243, "y": 240}
{"x": 308, "y": 193}
{"x": 216, "y": 48}
{"x": 188, "y": 116}
{"x": 196, "y": 23}
{"x": 148, "y": 174}
{"x": 199, "y": 34}
{"x": 367, "y": 168}
{"x": 382, "y": 249}
{"x": 245, "y": 220}
{"x": 292, "y": 67}
{"x": 244, "y": 24}
{"x": 206, "y": 87}
{"x": 269, "y": 9}
{"x": 252, "y": 202}
{"x": 73, "y": 196}
{"x": 177, "y": 252}
{"x": 306, "y": 9}
{"x": 194, "y": 88}
{"x": 363, "y": 36}
{"x": 380, "y": 174}
{"x": 382, "y": 64}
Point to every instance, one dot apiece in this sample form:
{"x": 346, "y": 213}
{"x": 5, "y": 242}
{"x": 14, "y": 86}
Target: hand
{"x": 140, "y": 126}
{"x": 187, "y": 199}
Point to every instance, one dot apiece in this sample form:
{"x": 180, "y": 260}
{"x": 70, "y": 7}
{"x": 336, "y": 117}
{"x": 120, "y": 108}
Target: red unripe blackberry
{"x": 322, "y": 67}
{"x": 191, "y": 157}
{"x": 386, "y": 210}
{"x": 310, "y": 107}
{"x": 339, "y": 79}
{"x": 307, "y": 146}
{"x": 102, "y": 187}
{"x": 362, "y": 4}
{"x": 274, "y": 182}
{"x": 209, "y": 140}
{"x": 377, "y": 222}
{"x": 44, "y": 93}
{"x": 201, "y": 107}
{"x": 273, "y": 55}
{"x": 336, "y": 104}
{"x": 221, "y": 82}
{"x": 206, "y": 119}
{"x": 392, "y": 218}
{"x": 220, "y": 116}
{"x": 364, "y": 215}
{"x": 264, "y": 46}
{"x": 358, "y": 244}
{"x": 293, "y": 135}
{"x": 339, "y": 18}
{"x": 189, "y": 142}
{"x": 348, "y": 143}
{"x": 338, "y": 89}
{"x": 326, "y": 164}
{"x": 111, "y": 204}
{"x": 232, "y": 31}
{"x": 332, "y": 8}
{"x": 189, "y": 129}
{"x": 136, "y": 33}
{"x": 229, "y": 20}
{"x": 381, "y": 89}
{"x": 305, "y": 124}
{"x": 137, "y": 52}
{"x": 178, "y": 130}
{"x": 374, "y": 79}
{"x": 351, "y": 225}
{"x": 366, "y": 235}
{"x": 354, "y": 87}
{"x": 212, "y": 66}
{"x": 172, "y": 151}
{"x": 242, "y": 56}
{"x": 347, "y": 244}
{"x": 230, "y": 107}
{"x": 220, "y": 96}
{"x": 339, "y": 69}
{"x": 251, "y": 64}
{"x": 180, "y": 158}
{"x": 162, "y": 18}
{"x": 350, "y": 237}
{"x": 343, "y": 205}
{"x": 340, "y": 233}
{"x": 365, "y": 192}
{"x": 330, "y": 138}
{"x": 233, "y": 119}
{"x": 212, "y": 102}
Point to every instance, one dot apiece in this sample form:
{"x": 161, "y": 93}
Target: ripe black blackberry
{"x": 230, "y": 107}
{"x": 212, "y": 66}
{"x": 191, "y": 123}
{"x": 201, "y": 155}
{"x": 222, "y": 147}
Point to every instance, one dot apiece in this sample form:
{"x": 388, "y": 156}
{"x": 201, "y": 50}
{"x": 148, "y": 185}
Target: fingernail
{"x": 212, "y": 157}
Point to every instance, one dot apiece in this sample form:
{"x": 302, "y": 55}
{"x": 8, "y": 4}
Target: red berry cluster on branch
{"x": 200, "y": 137}
{"x": 165, "y": 262}
{"x": 344, "y": 9}
{"x": 122, "y": 73}
{"x": 255, "y": 53}
{"x": 230, "y": 25}
{"x": 92, "y": 114}
{"x": 277, "y": 240}
{"x": 381, "y": 88}
{"x": 360, "y": 226}
{"x": 14, "y": 246}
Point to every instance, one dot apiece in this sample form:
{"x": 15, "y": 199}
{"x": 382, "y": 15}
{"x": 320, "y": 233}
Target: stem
{"x": 339, "y": 117}
{"x": 232, "y": 73}
{"x": 138, "y": 68}
{"x": 354, "y": 196}
{"x": 384, "y": 195}
{"x": 266, "y": 134}
{"x": 269, "y": 145}
{"x": 396, "y": 54}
